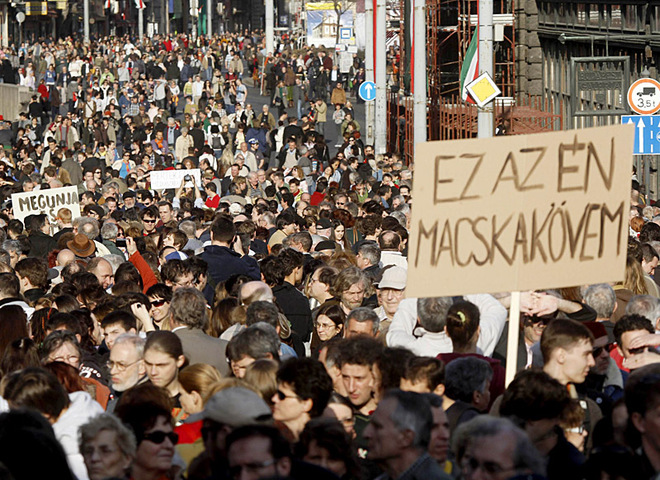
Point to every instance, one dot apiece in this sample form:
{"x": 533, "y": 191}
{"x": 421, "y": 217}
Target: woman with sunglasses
{"x": 153, "y": 428}
{"x": 160, "y": 296}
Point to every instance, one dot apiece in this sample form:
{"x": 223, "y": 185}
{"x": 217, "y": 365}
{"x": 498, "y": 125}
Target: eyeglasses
{"x": 146, "y": 220}
{"x": 598, "y": 350}
{"x": 250, "y": 467}
{"x": 283, "y": 396}
{"x": 68, "y": 359}
{"x": 579, "y": 430}
{"x": 158, "y": 303}
{"x": 159, "y": 437}
{"x": 120, "y": 366}
{"x": 491, "y": 468}
{"x": 325, "y": 326}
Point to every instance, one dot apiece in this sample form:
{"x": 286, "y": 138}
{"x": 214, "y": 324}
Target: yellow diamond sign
{"x": 483, "y": 89}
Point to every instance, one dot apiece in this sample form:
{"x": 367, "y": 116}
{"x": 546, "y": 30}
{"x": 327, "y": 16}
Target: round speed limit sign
{"x": 644, "y": 96}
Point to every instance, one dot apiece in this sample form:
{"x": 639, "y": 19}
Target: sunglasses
{"x": 159, "y": 437}
{"x": 598, "y": 350}
{"x": 158, "y": 303}
{"x": 144, "y": 220}
{"x": 283, "y": 396}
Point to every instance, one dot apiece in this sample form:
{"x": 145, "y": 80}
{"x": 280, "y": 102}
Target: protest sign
{"x": 45, "y": 201}
{"x": 520, "y": 212}
{"x": 161, "y": 179}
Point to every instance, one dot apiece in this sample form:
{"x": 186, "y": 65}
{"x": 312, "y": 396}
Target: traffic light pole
{"x": 370, "y": 108}
{"x": 86, "y": 20}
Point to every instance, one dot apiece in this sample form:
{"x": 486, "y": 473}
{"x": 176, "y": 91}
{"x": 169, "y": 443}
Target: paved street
{"x": 258, "y": 100}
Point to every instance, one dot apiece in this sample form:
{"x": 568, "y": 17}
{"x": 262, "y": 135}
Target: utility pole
{"x": 209, "y": 18}
{"x": 140, "y": 24}
{"x": 369, "y": 58}
{"x": 380, "y": 117}
{"x": 270, "y": 27}
{"x": 167, "y": 16}
{"x": 419, "y": 69}
{"x": 86, "y": 20}
{"x": 486, "y": 113}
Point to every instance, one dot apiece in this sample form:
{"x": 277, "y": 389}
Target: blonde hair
{"x": 634, "y": 280}
{"x": 199, "y": 378}
{"x": 229, "y": 382}
{"x": 262, "y": 375}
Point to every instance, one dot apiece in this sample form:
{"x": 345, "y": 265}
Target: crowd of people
{"x": 255, "y": 323}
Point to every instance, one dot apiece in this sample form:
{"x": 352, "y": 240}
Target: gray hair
{"x": 88, "y": 226}
{"x": 256, "y": 341}
{"x": 114, "y": 260}
{"x": 189, "y": 228}
{"x": 412, "y": 412}
{"x": 268, "y": 217}
{"x": 646, "y": 306}
{"x": 399, "y": 216}
{"x": 363, "y": 315}
{"x": 136, "y": 341}
{"x": 525, "y": 456}
{"x": 11, "y": 246}
{"x": 106, "y": 188}
{"x": 601, "y": 297}
{"x": 109, "y": 231}
{"x": 432, "y": 312}
{"x": 107, "y": 422}
{"x": 466, "y": 375}
{"x": 370, "y": 251}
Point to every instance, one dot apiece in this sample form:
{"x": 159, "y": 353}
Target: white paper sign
{"x": 46, "y": 201}
{"x": 161, "y": 179}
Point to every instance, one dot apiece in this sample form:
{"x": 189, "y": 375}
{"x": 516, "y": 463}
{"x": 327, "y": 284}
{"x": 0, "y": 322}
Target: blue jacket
{"x": 224, "y": 262}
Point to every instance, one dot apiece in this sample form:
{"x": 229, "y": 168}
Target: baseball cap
{"x": 394, "y": 277}
{"x": 325, "y": 245}
{"x": 235, "y": 209}
{"x": 236, "y": 407}
{"x": 176, "y": 256}
{"x": 323, "y": 223}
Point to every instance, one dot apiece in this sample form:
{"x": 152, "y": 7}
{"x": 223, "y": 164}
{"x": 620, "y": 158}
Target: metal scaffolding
{"x": 450, "y": 26}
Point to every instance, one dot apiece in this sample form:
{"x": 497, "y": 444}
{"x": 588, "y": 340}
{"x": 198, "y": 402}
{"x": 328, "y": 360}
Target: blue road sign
{"x": 345, "y": 33}
{"x": 367, "y": 92}
{"x": 647, "y": 133}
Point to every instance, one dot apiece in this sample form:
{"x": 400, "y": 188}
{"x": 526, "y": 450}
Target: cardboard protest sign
{"x": 161, "y": 179}
{"x": 45, "y": 201}
{"x": 520, "y": 212}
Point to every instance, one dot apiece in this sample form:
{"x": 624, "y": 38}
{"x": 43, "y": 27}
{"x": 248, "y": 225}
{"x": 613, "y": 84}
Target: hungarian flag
{"x": 470, "y": 67}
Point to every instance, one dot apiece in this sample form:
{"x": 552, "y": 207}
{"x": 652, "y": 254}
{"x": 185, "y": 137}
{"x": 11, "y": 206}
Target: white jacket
{"x": 428, "y": 344}
{"x": 82, "y": 408}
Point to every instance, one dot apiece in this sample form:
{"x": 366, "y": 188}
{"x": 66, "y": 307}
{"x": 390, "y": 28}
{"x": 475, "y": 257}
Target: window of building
{"x": 615, "y": 18}
{"x": 630, "y": 19}
{"x": 582, "y": 18}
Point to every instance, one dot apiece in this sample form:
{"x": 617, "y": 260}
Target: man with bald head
{"x": 253, "y": 292}
{"x": 103, "y": 271}
{"x": 64, "y": 258}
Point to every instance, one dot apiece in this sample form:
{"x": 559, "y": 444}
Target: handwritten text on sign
{"x": 520, "y": 212}
{"x": 45, "y": 201}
